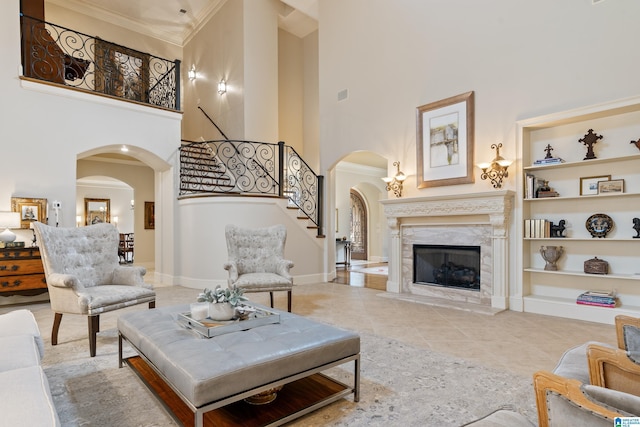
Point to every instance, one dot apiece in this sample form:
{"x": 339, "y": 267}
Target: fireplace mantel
{"x": 491, "y": 209}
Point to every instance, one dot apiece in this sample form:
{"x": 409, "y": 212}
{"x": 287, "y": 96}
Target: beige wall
{"x": 216, "y": 51}
{"x": 521, "y": 58}
{"x": 290, "y": 90}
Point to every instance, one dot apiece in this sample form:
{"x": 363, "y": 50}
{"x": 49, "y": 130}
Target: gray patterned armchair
{"x": 256, "y": 260}
{"x": 84, "y": 276}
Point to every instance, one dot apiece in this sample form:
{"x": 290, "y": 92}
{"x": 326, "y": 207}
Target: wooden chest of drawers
{"x": 21, "y": 272}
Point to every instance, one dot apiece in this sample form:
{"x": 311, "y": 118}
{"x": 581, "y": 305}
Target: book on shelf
{"x": 537, "y": 229}
{"x": 598, "y": 298}
{"x": 551, "y": 193}
{"x": 550, "y": 161}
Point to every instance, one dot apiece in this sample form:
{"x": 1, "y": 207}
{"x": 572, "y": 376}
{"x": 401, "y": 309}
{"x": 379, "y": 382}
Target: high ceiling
{"x": 174, "y": 20}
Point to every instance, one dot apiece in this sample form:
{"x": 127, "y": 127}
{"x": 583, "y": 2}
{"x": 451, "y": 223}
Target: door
{"x": 358, "y": 235}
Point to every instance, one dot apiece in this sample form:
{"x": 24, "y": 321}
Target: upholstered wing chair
{"x": 256, "y": 260}
{"x": 84, "y": 277}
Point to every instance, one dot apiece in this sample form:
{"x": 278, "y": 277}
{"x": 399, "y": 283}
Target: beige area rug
{"x": 400, "y": 384}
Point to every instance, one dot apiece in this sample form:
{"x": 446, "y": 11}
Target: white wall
{"x": 201, "y": 248}
{"x": 46, "y": 129}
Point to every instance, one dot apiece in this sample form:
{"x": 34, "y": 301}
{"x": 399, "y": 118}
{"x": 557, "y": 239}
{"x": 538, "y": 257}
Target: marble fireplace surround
{"x": 478, "y": 219}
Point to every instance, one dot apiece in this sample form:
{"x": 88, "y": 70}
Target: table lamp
{"x": 9, "y": 220}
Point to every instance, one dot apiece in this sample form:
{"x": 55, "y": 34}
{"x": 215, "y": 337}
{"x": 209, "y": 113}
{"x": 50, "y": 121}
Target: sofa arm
{"x": 64, "y": 281}
{"x": 612, "y": 368}
{"x": 282, "y": 268}
{"x": 232, "y": 268}
{"x": 132, "y": 276}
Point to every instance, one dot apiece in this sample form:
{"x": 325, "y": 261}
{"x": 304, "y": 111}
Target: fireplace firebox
{"x": 446, "y": 265}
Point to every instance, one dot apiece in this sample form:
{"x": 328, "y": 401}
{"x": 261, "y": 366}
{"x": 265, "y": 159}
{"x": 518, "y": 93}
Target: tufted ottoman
{"x": 208, "y": 373}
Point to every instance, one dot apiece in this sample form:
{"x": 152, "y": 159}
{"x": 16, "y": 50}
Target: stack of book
{"x": 11, "y": 245}
{"x": 598, "y": 298}
{"x": 537, "y": 228}
{"x": 549, "y": 161}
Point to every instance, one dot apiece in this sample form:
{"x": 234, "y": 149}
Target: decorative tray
{"x": 209, "y": 328}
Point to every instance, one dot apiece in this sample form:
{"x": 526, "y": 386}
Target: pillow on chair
{"x": 632, "y": 342}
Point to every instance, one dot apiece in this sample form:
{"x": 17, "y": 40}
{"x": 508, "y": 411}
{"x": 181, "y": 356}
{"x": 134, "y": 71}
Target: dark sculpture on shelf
{"x": 588, "y": 140}
{"x": 637, "y": 143}
{"x": 548, "y": 149}
{"x": 636, "y": 226}
{"x": 557, "y": 230}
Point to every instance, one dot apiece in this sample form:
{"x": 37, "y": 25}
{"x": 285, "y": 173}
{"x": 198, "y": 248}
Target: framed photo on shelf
{"x": 589, "y": 184}
{"x": 149, "y": 215}
{"x": 30, "y": 210}
{"x": 445, "y": 132}
{"x": 611, "y": 186}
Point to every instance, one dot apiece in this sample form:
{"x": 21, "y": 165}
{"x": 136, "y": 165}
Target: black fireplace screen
{"x": 449, "y": 266}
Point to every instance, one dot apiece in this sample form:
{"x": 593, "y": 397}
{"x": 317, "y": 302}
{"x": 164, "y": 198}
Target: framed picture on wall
{"x": 445, "y": 131}
{"x": 96, "y": 211}
{"x": 30, "y": 210}
{"x": 149, "y": 215}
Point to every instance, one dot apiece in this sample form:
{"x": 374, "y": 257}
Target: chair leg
{"x": 152, "y": 304}
{"x": 57, "y": 318}
{"x": 94, "y": 328}
{"x": 271, "y": 298}
{"x": 289, "y": 301}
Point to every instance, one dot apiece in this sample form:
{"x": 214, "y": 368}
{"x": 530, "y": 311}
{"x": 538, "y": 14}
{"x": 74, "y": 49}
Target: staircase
{"x": 248, "y": 168}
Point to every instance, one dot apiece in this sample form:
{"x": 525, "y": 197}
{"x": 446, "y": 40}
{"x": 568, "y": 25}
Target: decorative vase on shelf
{"x": 221, "y": 311}
{"x": 551, "y": 254}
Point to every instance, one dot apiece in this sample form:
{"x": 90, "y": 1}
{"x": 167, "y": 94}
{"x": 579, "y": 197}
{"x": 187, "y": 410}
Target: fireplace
{"x": 447, "y": 265}
{"x": 478, "y": 220}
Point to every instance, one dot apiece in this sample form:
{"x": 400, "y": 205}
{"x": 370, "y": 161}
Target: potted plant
{"x": 222, "y": 302}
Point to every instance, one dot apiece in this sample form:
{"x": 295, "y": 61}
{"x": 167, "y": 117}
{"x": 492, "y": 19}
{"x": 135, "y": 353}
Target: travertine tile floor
{"x": 522, "y": 343}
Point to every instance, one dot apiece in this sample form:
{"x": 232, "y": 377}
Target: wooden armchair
{"x": 567, "y": 402}
{"x": 612, "y": 368}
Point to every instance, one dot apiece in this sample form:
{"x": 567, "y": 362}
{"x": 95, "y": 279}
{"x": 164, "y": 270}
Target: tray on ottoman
{"x": 209, "y": 328}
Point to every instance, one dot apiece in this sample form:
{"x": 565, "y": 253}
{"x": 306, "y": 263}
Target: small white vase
{"x": 221, "y": 311}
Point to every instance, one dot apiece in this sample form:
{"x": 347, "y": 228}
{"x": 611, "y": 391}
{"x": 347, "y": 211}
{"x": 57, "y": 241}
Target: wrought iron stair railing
{"x": 234, "y": 167}
{"x": 60, "y": 55}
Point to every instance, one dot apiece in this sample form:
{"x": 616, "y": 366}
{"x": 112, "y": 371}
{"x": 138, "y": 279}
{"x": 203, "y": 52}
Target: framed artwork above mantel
{"x": 445, "y": 133}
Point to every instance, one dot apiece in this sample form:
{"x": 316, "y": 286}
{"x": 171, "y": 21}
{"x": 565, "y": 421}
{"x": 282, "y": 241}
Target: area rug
{"x": 400, "y": 385}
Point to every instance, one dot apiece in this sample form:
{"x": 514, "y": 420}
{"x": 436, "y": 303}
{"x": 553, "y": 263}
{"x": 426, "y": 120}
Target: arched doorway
{"x": 358, "y": 226}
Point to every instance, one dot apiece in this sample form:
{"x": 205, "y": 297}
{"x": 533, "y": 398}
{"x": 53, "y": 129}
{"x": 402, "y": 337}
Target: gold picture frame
{"x": 589, "y": 184}
{"x": 149, "y": 215}
{"x": 30, "y": 209}
{"x": 96, "y": 211}
{"x": 445, "y": 140}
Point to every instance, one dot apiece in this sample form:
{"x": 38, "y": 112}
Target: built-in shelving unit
{"x": 555, "y": 292}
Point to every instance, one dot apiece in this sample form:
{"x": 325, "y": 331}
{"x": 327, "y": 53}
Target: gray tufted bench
{"x": 214, "y": 372}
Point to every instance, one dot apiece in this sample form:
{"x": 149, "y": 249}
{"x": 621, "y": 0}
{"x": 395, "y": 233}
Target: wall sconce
{"x": 192, "y": 73}
{"x": 395, "y": 183}
{"x": 9, "y": 220}
{"x": 222, "y": 87}
{"x": 115, "y": 221}
{"x": 78, "y": 220}
{"x": 132, "y": 204}
{"x": 496, "y": 171}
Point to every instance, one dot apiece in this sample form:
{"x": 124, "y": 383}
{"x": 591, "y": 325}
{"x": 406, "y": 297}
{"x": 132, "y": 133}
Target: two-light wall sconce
{"x": 495, "y": 171}
{"x": 394, "y": 183}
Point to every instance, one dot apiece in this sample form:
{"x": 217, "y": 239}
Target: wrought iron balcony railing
{"x": 59, "y": 55}
{"x": 251, "y": 168}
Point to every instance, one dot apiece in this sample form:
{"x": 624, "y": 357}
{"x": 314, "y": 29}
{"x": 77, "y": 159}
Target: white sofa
{"x": 25, "y": 398}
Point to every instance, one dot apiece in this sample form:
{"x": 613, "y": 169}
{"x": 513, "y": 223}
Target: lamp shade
{"x": 9, "y": 220}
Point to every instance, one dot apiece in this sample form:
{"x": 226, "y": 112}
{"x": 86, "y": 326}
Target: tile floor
{"x": 520, "y": 342}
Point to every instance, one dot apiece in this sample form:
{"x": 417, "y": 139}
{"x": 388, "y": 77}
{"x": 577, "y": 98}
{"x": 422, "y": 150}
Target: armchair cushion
{"x": 574, "y": 364}
{"x": 624, "y": 403}
{"x": 632, "y": 342}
